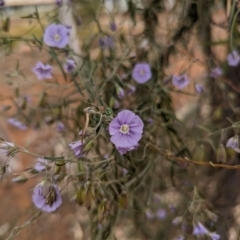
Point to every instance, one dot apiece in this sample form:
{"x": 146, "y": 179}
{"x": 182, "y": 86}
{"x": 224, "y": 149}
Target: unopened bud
{"x": 20, "y": 179}
{"x": 221, "y": 155}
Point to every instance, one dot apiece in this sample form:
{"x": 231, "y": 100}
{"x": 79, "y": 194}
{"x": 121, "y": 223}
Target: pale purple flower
{"x": 120, "y": 93}
{"x": 113, "y": 26}
{"x": 142, "y": 73}
{"x": 216, "y": 72}
{"x": 149, "y": 214}
{"x": 233, "y": 142}
{"x": 126, "y": 130}
{"x": 43, "y": 71}
{"x": 46, "y": 196}
{"x": 177, "y": 220}
{"x": 2, "y": 3}
{"x": 214, "y": 236}
{"x": 106, "y": 42}
{"x": 199, "y": 89}
{"x": 199, "y": 229}
{"x": 77, "y": 147}
{"x": 60, "y": 127}
{"x": 6, "y": 147}
{"x": 233, "y": 58}
{"x": 56, "y": 35}
{"x": 69, "y": 65}
{"x": 180, "y": 238}
{"x": 116, "y": 104}
{"x": 40, "y": 165}
{"x": 14, "y": 122}
{"x": 130, "y": 90}
{"x": 59, "y": 3}
{"x": 161, "y": 214}
{"x": 180, "y": 81}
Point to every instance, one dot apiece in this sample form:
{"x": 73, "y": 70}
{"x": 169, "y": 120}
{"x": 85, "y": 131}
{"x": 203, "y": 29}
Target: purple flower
{"x": 216, "y": 72}
{"x": 69, "y": 65}
{"x": 214, "y": 236}
{"x": 130, "y": 90}
{"x": 233, "y": 142}
{"x": 199, "y": 229}
{"x": 161, "y": 214}
{"x": 14, "y": 122}
{"x": 2, "y": 3}
{"x": 56, "y": 35}
{"x": 59, "y": 3}
{"x": 46, "y": 196}
{"x": 142, "y": 73}
{"x": 60, "y": 127}
{"x": 106, "y": 42}
{"x": 149, "y": 214}
{"x": 199, "y": 89}
{"x": 180, "y": 81}
{"x": 113, "y": 26}
{"x": 126, "y": 130}
{"x": 77, "y": 147}
{"x": 120, "y": 93}
{"x": 233, "y": 58}
{"x": 40, "y": 165}
{"x": 43, "y": 71}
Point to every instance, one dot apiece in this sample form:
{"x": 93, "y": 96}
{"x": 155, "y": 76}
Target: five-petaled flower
{"x": 126, "y": 130}
{"x": 142, "y": 73}
{"x": 180, "y": 81}
{"x": 46, "y": 196}
{"x": 233, "y": 58}
{"x": 69, "y": 65}
{"x": 56, "y": 35}
{"x": 43, "y": 71}
{"x": 106, "y": 42}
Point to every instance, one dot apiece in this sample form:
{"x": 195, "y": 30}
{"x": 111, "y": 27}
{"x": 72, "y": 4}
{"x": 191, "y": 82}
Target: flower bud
{"x": 20, "y": 179}
{"x": 221, "y": 155}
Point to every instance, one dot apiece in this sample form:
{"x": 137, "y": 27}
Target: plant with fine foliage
{"x": 128, "y": 155}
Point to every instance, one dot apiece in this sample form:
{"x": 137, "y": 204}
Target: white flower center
{"x": 124, "y": 129}
{"x": 57, "y": 37}
{"x": 142, "y": 72}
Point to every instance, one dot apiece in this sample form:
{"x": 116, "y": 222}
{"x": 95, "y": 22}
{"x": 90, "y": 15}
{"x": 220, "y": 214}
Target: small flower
{"x": 214, "y": 236}
{"x": 149, "y": 214}
{"x": 7, "y": 147}
{"x": 177, "y": 220}
{"x": 14, "y": 122}
{"x": 233, "y": 58}
{"x": 120, "y": 93}
{"x": 142, "y": 73}
{"x": 161, "y": 214}
{"x": 77, "y": 147}
{"x": 199, "y": 89}
{"x": 233, "y": 142}
{"x": 180, "y": 81}
{"x": 59, "y": 3}
{"x": 46, "y": 196}
{"x": 2, "y": 3}
{"x": 126, "y": 130}
{"x": 56, "y": 35}
{"x": 106, "y": 42}
{"x": 116, "y": 104}
{"x": 40, "y": 165}
{"x": 180, "y": 238}
{"x": 113, "y": 26}
{"x": 130, "y": 90}
{"x": 216, "y": 72}
{"x": 60, "y": 127}
{"x": 69, "y": 65}
{"x": 199, "y": 229}
{"x": 43, "y": 71}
